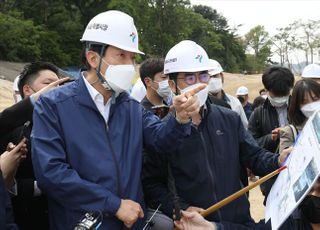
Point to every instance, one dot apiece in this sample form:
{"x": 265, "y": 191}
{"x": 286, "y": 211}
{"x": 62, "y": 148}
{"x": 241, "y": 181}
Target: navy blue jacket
{"x": 82, "y": 164}
{"x": 206, "y": 168}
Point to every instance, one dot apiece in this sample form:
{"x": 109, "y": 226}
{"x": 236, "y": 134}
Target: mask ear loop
{"x": 101, "y": 78}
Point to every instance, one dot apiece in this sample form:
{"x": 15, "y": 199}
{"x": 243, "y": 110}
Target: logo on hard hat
{"x": 97, "y": 26}
{"x": 133, "y": 36}
{"x": 199, "y": 57}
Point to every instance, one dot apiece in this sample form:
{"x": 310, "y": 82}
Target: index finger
{"x": 19, "y": 146}
{"x": 60, "y": 81}
{"x": 195, "y": 90}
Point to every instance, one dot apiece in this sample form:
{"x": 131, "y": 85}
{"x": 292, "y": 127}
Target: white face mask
{"x": 310, "y": 108}
{"x": 164, "y": 90}
{"x": 215, "y": 85}
{"x": 278, "y": 101}
{"x": 119, "y": 77}
{"x": 202, "y": 95}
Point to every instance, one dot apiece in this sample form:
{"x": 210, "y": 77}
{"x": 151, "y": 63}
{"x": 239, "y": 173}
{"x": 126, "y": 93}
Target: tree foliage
{"x": 257, "y": 39}
{"x": 50, "y": 30}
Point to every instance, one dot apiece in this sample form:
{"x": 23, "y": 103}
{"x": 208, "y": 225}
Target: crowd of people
{"x": 155, "y": 159}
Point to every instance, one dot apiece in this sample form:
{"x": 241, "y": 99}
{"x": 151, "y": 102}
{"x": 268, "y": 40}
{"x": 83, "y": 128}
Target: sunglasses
{"x": 191, "y": 78}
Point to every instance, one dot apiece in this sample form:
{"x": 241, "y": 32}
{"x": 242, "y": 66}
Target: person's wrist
{"x": 181, "y": 120}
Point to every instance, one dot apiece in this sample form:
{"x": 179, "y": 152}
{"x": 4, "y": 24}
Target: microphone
{"x": 90, "y": 221}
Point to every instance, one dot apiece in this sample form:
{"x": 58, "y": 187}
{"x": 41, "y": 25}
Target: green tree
{"x": 23, "y": 41}
{"x": 258, "y": 40}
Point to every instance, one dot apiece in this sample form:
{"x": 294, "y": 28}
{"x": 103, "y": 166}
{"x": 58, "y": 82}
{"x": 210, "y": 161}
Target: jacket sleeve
{"x": 15, "y": 116}
{"x": 286, "y": 138}
{"x": 6, "y": 211}
{"x": 259, "y": 160}
{"x": 160, "y": 136}
{"x": 55, "y": 177}
{"x": 155, "y": 183}
{"x": 255, "y": 127}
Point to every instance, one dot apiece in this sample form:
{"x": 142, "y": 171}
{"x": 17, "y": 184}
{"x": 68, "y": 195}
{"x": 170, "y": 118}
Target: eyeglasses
{"x": 191, "y": 78}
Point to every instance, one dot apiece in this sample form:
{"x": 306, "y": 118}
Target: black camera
{"x": 90, "y": 221}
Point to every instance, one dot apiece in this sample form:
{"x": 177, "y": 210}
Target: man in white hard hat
{"x": 216, "y": 90}
{"x": 243, "y": 96}
{"x": 312, "y": 71}
{"x": 87, "y": 136}
{"x": 206, "y": 166}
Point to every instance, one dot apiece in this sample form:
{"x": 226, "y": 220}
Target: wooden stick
{"x": 241, "y": 192}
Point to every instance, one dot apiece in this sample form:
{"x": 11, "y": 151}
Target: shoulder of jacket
{"x": 60, "y": 93}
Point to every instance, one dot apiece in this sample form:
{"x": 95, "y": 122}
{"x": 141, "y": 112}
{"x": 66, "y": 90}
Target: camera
{"x": 90, "y": 221}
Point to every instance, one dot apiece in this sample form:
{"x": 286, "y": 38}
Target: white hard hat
{"x": 215, "y": 67}
{"x": 15, "y": 83}
{"x": 242, "y": 90}
{"x": 186, "y": 56}
{"x": 113, "y": 28}
{"x": 311, "y": 71}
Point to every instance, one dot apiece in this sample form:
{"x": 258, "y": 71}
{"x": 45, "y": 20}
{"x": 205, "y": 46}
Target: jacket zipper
{"x": 112, "y": 154}
{"x": 211, "y": 172}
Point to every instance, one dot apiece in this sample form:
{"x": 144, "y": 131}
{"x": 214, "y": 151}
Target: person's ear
{"x": 148, "y": 81}
{"x": 27, "y": 91}
{"x": 172, "y": 85}
{"x": 92, "y": 59}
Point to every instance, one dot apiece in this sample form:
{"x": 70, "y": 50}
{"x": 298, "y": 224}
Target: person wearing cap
{"x": 215, "y": 88}
{"x": 242, "y": 95}
{"x": 312, "y": 71}
{"x": 88, "y": 135}
{"x": 157, "y": 84}
{"x": 206, "y": 167}
{"x": 267, "y": 120}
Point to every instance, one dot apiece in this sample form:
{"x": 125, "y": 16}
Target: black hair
{"x": 150, "y": 67}
{"x": 278, "y": 80}
{"x": 30, "y": 73}
{"x": 257, "y": 102}
{"x": 92, "y": 47}
{"x": 261, "y": 90}
{"x": 301, "y": 88}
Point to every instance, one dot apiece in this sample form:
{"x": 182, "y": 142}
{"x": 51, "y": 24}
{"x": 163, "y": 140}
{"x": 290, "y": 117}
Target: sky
{"x": 270, "y": 13}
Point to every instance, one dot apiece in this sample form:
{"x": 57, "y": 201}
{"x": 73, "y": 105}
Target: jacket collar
{"x": 83, "y": 96}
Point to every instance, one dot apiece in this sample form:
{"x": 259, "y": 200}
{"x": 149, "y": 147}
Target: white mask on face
{"x": 278, "y": 101}
{"x": 310, "y": 108}
{"x": 164, "y": 90}
{"x": 202, "y": 95}
{"x": 215, "y": 85}
{"x": 119, "y": 77}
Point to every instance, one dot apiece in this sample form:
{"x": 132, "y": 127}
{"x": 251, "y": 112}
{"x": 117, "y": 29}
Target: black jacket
{"x": 206, "y": 168}
{"x": 15, "y": 116}
{"x": 262, "y": 121}
{"x": 6, "y": 215}
{"x": 30, "y": 212}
